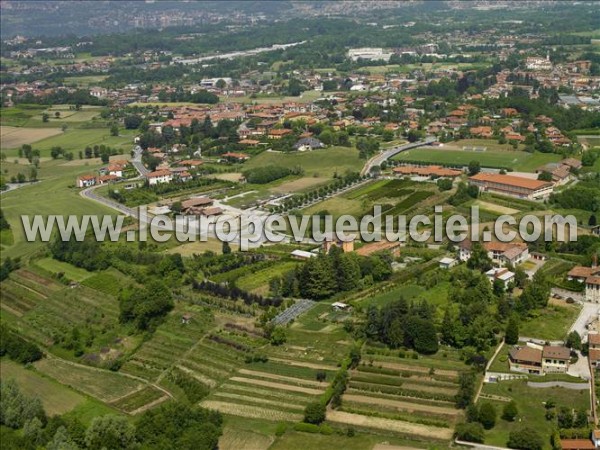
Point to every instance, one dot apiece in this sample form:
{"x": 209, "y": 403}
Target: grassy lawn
{"x": 70, "y": 271}
{"x": 259, "y": 281}
{"x": 408, "y": 291}
{"x": 50, "y": 196}
{"x": 294, "y": 440}
{"x": 56, "y": 398}
{"x": 519, "y": 161}
{"x": 552, "y": 323}
{"x": 320, "y": 163}
{"x": 530, "y": 406}
{"x": 101, "y": 384}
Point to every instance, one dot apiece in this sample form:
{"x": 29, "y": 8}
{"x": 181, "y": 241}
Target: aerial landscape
{"x": 299, "y": 225}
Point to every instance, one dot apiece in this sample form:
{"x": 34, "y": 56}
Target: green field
{"x": 551, "y": 323}
{"x": 71, "y": 272}
{"x": 321, "y": 163}
{"x": 53, "y": 195}
{"x": 516, "y": 160}
{"x": 531, "y": 409}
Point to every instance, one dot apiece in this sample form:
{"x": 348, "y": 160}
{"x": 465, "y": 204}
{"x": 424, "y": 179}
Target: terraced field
{"x": 414, "y": 397}
{"x": 169, "y": 344}
{"x": 265, "y": 394}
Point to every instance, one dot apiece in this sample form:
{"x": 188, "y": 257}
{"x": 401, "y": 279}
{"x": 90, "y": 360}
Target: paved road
{"x": 136, "y": 161}
{"x": 385, "y": 155}
{"x": 587, "y": 314}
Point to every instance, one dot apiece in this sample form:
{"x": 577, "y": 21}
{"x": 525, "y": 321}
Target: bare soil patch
{"x": 397, "y": 426}
{"x": 400, "y": 405}
{"x": 283, "y": 387}
{"x": 273, "y": 376}
{"x": 14, "y": 137}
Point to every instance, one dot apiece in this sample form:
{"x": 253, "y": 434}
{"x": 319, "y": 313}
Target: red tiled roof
{"x": 510, "y": 180}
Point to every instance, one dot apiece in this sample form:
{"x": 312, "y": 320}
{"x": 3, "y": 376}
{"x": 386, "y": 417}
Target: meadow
{"x": 323, "y": 163}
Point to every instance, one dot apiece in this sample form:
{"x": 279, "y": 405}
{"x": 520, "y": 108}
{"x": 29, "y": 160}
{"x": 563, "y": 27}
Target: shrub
{"x": 487, "y": 415}
{"x": 314, "y": 413}
{"x": 510, "y": 411}
{"x": 470, "y": 432}
{"x": 525, "y": 439}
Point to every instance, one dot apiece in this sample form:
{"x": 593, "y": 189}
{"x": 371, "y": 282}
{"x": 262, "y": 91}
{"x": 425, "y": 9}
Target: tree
{"x": 314, "y": 413}
{"x": 225, "y": 248}
{"x": 525, "y": 439}
{"x": 479, "y": 259}
{"x": 114, "y": 130}
{"x": 581, "y": 419}
{"x": 61, "y": 441}
{"x": 511, "y": 336}
{"x": 565, "y": 417}
{"x": 110, "y": 431}
{"x": 278, "y": 336}
{"x": 45, "y": 117}
{"x": 573, "y": 340}
{"x": 444, "y": 184}
{"x": 414, "y": 135}
{"x": 510, "y": 411}
{"x": 592, "y": 222}
{"x": 474, "y": 167}
{"x": 221, "y": 84}
{"x": 487, "y": 415}
{"x": 132, "y": 121}
{"x": 33, "y": 433}
{"x": 57, "y": 114}
{"x": 321, "y": 375}
{"x": 545, "y": 176}
{"x": 470, "y": 432}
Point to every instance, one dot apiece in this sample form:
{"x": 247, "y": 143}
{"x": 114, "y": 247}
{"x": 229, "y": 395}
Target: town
{"x": 308, "y": 111}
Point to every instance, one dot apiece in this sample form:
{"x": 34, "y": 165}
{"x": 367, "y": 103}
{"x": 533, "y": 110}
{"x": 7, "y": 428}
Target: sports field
{"x": 515, "y": 160}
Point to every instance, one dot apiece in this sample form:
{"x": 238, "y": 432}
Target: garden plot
{"x": 140, "y": 400}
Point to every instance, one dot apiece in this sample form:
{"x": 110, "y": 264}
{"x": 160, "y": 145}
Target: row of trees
{"x": 170, "y": 426}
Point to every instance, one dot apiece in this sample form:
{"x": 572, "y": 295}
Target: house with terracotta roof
{"x": 501, "y": 253}
{"x": 555, "y": 359}
{"x": 159, "y": 176}
{"x": 539, "y": 359}
{"x": 278, "y": 133}
{"x": 84, "y": 181}
{"x": 591, "y": 277}
{"x": 512, "y": 185}
{"x": 234, "y": 157}
{"x": 526, "y": 359}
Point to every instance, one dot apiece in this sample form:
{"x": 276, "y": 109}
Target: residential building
{"x": 308, "y": 144}
{"x": 84, "y": 181}
{"x": 448, "y": 263}
{"x": 504, "y": 275}
{"x": 501, "y": 253}
{"x": 159, "y": 176}
{"x": 526, "y": 359}
{"x": 591, "y": 277}
{"x": 555, "y": 359}
{"x": 512, "y": 185}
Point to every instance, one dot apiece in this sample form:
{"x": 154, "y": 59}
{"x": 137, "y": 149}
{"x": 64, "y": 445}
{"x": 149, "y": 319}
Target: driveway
{"x": 588, "y": 313}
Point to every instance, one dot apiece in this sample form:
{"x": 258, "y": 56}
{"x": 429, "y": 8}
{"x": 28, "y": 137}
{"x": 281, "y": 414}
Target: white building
{"x": 369, "y": 53}
{"x": 502, "y": 274}
{"x": 448, "y": 263}
{"x": 159, "y": 176}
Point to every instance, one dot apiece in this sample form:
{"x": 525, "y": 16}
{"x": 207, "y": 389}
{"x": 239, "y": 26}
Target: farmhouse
{"x": 194, "y": 205}
{"x": 555, "y": 359}
{"x": 347, "y": 245}
{"x": 512, "y": 185}
{"x": 159, "y": 176}
{"x": 84, "y": 181}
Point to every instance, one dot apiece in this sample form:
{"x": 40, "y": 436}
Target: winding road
{"x": 387, "y": 154}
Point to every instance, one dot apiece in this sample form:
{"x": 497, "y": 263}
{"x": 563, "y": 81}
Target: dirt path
{"x": 284, "y": 387}
{"x": 404, "y": 406}
{"x": 304, "y": 364}
{"x": 408, "y": 367}
{"x": 397, "y": 426}
{"x": 312, "y": 383}
{"x": 147, "y": 406}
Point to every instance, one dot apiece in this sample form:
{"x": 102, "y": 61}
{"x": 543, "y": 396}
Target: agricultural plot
{"x": 170, "y": 343}
{"x": 413, "y": 397}
{"x": 141, "y": 400}
{"x": 266, "y": 393}
{"x": 102, "y": 384}
{"x": 15, "y": 137}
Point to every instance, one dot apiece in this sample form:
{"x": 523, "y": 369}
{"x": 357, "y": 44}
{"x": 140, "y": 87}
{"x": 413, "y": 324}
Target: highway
{"x": 387, "y": 154}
